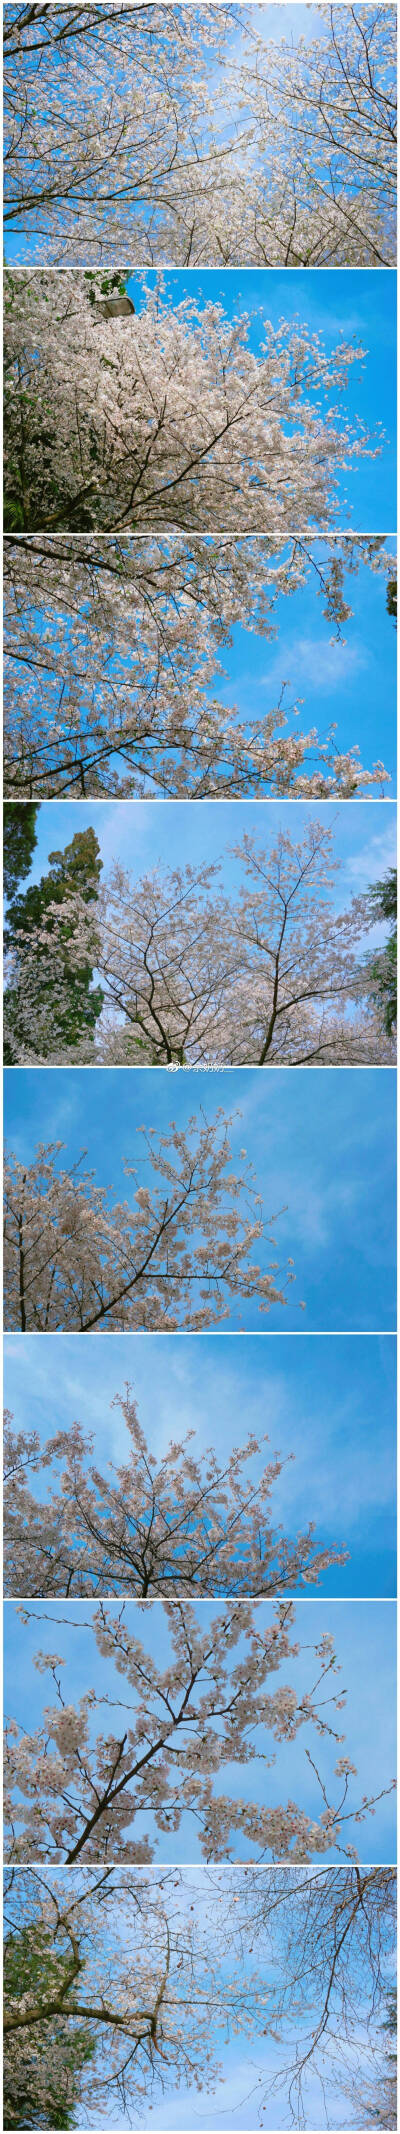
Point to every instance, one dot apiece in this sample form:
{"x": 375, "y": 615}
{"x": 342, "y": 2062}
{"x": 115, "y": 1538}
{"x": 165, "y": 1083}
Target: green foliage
{"x": 19, "y": 840}
{"x": 77, "y": 869}
{"x": 383, "y": 966}
{"x": 381, "y": 2105}
{"x": 102, "y": 285}
{"x": 391, "y": 597}
{"x": 13, "y": 513}
{"x": 42, "y": 2069}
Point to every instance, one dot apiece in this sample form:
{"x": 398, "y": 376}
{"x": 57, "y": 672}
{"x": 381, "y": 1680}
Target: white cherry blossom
{"x": 113, "y": 658}
{"x": 193, "y": 977}
{"x": 74, "y": 1260}
{"x": 254, "y": 148}
{"x": 169, "y": 418}
{"x": 172, "y": 1734}
{"x": 181, "y": 1524}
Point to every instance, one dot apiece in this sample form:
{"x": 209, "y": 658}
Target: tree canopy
{"x": 180, "y": 1524}
{"x": 170, "y": 418}
{"x": 183, "y": 1695}
{"x": 19, "y": 840}
{"x": 178, "y": 1965}
{"x": 43, "y": 2061}
{"x": 193, "y": 975}
{"x": 175, "y": 1254}
{"x": 67, "y": 1002}
{"x": 255, "y": 148}
{"x": 382, "y": 968}
{"x": 113, "y": 665}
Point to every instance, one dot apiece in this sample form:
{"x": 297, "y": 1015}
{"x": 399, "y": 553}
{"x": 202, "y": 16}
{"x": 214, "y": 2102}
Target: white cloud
{"x": 314, "y": 668}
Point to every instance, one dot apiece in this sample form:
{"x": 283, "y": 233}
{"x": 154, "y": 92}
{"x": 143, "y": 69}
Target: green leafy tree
{"x": 388, "y": 2099}
{"x": 42, "y": 2064}
{"x": 66, "y": 980}
{"x": 383, "y": 966}
{"x": 391, "y": 597}
{"x": 375, "y": 2099}
{"x": 19, "y": 840}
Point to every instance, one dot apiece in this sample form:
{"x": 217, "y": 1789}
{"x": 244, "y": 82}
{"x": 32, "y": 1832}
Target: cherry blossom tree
{"x": 329, "y": 107}
{"x": 168, "y": 418}
{"x": 192, "y": 976}
{"x": 252, "y": 150}
{"x": 112, "y": 654}
{"x": 147, "y": 147}
{"x": 174, "y": 1255}
{"x": 150, "y": 1989}
{"x": 168, "y": 1967}
{"x": 176, "y": 1729}
{"x": 175, "y": 1525}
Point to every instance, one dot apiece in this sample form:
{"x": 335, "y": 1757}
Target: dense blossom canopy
{"x": 199, "y": 136}
{"x": 168, "y": 418}
{"x": 113, "y": 660}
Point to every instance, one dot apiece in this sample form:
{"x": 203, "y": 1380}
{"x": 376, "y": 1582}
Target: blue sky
{"x": 364, "y": 1634}
{"x": 291, "y": 19}
{"x": 330, "y": 1402}
{"x": 322, "y": 1144}
{"x": 351, "y": 683}
{"x": 238, "y": 2099}
{"x": 340, "y": 305}
{"x": 140, "y": 834}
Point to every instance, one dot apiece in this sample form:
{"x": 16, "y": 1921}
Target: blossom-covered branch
{"x": 179, "y": 1524}
{"x": 174, "y": 1255}
{"x": 113, "y": 654}
{"x": 168, "y": 418}
{"x": 198, "y": 139}
{"x": 169, "y": 1967}
{"x": 175, "y": 1730}
{"x": 192, "y": 976}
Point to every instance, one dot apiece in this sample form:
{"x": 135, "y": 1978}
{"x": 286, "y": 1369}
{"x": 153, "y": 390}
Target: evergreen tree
{"x": 383, "y": 966}
{"x": 375, "y": 2101}
{"x": 19, "y": 840}
{"x": 74, "y": 1012}
{"x": 43, "y": 2063}
{"x": 388, "y": 2102}
{"x": 391, "y": 597}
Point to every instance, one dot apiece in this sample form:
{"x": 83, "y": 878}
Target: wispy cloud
{"x": 315, "y": 668}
